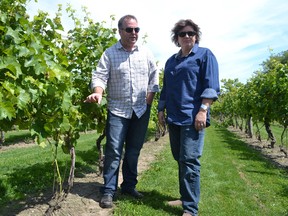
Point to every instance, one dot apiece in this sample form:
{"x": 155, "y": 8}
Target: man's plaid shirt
{"x": 127, "y": 77}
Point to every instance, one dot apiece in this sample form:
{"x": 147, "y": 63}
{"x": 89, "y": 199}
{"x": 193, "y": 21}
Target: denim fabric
{"x": 186, "y": 82}
{"x": 132, "y": 132}
{"x": 187, "y": 146}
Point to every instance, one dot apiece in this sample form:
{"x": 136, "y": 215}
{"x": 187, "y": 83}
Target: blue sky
{"x": 242, "y": 34}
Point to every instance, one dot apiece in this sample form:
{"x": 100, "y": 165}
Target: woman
{"x": 190, "y": 85}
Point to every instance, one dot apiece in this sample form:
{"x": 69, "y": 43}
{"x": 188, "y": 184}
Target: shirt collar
{"x": 193, "y": 50}
{"x": 120, "y": 46}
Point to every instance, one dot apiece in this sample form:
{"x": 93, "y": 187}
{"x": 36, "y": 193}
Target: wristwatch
{"x": 204, "y": 107}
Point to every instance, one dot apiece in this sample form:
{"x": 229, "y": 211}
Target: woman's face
{"x": 187, "y": 37}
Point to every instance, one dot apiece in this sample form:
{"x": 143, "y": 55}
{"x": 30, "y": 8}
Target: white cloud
{"x": 239, "y": 33}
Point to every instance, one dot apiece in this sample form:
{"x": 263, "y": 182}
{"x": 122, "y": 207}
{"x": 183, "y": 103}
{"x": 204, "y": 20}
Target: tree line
{"x": 45, "y": 75}
{"x": 262, "y": 100}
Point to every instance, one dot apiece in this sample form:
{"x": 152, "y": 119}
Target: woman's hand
{"x": 161, "y": 119}
{"x": 200, "y": 120}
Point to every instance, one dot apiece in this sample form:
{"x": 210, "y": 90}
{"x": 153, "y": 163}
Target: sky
{"x": 241, "y": 34}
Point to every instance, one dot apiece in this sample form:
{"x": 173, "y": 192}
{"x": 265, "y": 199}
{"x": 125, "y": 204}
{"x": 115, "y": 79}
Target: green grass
{"x": 277, "y": 131}
{"x": 28, "y": 171}
{"x": 235, "y": 180}
{"x": 16, "y": 136}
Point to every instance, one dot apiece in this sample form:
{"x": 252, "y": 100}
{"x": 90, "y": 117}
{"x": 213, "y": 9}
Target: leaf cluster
{"x": 264, "y": 97}
{"x": 45, "y": 73}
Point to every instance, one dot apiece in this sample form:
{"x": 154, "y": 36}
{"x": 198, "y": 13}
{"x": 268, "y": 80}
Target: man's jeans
{"x": 119, "y": 131}
{"x": 187, "y": 146}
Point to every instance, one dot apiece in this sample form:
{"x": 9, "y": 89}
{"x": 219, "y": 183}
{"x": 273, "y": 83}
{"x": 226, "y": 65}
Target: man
{"x": 130, "y": 75}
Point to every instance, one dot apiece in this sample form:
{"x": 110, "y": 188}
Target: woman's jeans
{"x": 187, "y": 146}
{"x": 132, "y": 132}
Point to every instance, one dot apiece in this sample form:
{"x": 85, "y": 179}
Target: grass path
{"x": 235, "y": 181}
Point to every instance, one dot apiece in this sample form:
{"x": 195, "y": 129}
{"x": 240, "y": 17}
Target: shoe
{"x": 133, "y": 192}
{"x": 106, "y": 201}
{"x": 175, "y": 203}
{"x": 186, "y": 214}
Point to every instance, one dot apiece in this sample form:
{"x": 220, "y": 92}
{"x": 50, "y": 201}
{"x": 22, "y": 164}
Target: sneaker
{"x": 174, "y": 203}
{"x": 106, "y": 201}
{"x": 133, "y": 192}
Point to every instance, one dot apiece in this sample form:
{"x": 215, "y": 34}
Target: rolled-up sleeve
{"x": 153, "y": 84}
{"x": 210, "y": 93}
{"x": 162, "y": 99}
{"x": 101, "y": 74}
{"x": 211, "y": 79}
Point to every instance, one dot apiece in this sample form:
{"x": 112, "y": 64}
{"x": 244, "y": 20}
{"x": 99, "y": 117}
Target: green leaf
{"x": 23, "y": 99}
{"x": 42, "y": 144}
{"x": 66, "y": 103}
{"x": 65, "y": 125}
{"x": 24, "y": 51}
{"x": 31, "y": 62}
{"x": 7, "y": 110}
{"x": 14, "y": 34}
{"x": 10, "y": 87}
{"x": 3, "y": 17}
{"x": 11, "y": 63}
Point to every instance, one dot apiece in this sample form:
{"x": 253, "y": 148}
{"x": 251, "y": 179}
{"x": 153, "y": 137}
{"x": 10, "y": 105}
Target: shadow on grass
{"x": 13, "y": 138}
{"x": 237, "y": 145}
{"x": 24, "y": 188}
{"x": 155, "y": 200}
{"x": 246, "y": 152}
{"x": 243, "y": 149}
{"x": 88, "y": 161}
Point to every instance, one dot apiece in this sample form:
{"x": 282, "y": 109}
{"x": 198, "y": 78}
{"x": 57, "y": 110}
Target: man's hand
{"x": 94, "y": 97}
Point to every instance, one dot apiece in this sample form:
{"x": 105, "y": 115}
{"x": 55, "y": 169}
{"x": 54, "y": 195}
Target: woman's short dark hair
{"x": 121, "y": 20}
{"x": 180, "y": 25}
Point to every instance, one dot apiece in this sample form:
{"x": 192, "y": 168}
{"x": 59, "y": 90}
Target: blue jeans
{"x": 187, "y": 146}
{"x": 132, "y": 132}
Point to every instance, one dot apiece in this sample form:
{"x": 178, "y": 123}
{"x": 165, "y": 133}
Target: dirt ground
{"x": 83, "y": 199}
{"x": 274, "y": 154}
